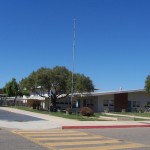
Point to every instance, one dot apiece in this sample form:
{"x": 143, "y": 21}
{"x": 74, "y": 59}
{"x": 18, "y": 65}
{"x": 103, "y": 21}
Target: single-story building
{"x": 128, "y": 100}
{"x": 115, "y": 101}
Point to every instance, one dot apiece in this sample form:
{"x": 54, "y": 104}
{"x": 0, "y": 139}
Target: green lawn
{"x": 60, "y": 114}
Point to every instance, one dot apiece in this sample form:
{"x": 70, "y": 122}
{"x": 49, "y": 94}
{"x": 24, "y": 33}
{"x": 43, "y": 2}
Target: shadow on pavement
{"x": 10, "y": 116}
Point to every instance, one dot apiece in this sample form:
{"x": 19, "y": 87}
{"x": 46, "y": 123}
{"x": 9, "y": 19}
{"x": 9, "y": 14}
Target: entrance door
{"x": 84, "y": 103}
{"x": 129, "y": 106}
{"x": 120, "y": 101}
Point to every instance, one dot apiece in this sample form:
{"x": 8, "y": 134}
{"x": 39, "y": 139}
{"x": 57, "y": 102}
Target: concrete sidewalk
{"x": 50, "y": 122}
{"x": 130, "y": 116}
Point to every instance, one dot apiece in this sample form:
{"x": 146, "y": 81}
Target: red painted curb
{"x": 102, "y": 127}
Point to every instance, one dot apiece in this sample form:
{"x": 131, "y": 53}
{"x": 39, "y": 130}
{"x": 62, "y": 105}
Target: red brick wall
{"x": 120, "y": 101}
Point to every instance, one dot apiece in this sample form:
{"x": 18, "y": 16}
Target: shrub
{"x": 86, "y": 111}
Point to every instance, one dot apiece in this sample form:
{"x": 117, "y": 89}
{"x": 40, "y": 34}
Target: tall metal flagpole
{"x": 73, "y": 48}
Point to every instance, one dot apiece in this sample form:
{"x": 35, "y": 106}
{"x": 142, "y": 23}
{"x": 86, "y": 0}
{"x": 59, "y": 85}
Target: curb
{"x": 103, "y": 127}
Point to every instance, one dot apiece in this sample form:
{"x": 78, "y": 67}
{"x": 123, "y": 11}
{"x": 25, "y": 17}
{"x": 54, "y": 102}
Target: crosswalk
{"x": 58, "y": 139}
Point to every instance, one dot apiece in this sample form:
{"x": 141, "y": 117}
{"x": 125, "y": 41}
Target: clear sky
{"x": 112, "y": 39}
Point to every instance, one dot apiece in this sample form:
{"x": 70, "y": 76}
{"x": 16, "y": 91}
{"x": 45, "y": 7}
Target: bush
{"x": 86, "y": 111}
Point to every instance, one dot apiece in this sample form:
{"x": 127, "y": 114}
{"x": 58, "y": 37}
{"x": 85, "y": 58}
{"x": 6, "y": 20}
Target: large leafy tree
{"x": 56, "y": 81}
{"x": 83, "y": 83}
{"x": 147, "y": 84}
{"x": 28, "y": 84}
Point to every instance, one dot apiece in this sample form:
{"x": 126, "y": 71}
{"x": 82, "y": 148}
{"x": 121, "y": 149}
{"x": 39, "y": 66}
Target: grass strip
{"x": 60, "y": 114}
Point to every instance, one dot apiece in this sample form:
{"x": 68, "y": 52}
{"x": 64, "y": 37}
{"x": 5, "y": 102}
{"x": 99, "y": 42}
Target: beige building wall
{"x": 140, "y": 97}
{"x": 104, "y": 99}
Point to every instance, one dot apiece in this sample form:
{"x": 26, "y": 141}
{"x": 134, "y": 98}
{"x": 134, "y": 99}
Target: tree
{"x": 12, "y": 89}
{"x": 83, "y": 83}
{"x": 53, "y": 81}
{"x": 28, "y": 84}
{"x": 147, "y": 84}
{"x": 56, "y": 81}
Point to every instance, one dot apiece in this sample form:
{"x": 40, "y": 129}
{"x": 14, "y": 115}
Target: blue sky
{"x": 112, "y": 39}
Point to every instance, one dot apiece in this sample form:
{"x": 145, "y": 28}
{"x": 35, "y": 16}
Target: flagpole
{"x": 73, "y": 48}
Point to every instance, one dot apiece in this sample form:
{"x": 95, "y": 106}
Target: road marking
{"x": 111, "y": 147}
{"x": 51, "y": 133}
{"x": 54, "y": 135}
{"x": 48, "y": 131}
{"x": 81, "y": 143}
{"x": 60, "y": 140}
{"x": 66, "y": 138}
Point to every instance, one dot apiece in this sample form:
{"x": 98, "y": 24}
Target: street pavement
{"x": 22, "y": 130}
{"x": 58, "y": 139}
{"x": 11, "y": 141}
{"x": 25, "y": 120}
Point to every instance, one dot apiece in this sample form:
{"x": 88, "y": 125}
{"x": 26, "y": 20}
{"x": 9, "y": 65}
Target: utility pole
{"x": 73, "y": 48}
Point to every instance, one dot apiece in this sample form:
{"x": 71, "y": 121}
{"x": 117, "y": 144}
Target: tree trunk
{"x": 15, "y": 100}
{"x": 53, "y": 103}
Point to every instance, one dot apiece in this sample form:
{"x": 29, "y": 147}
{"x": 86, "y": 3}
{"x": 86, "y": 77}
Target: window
{"x": 105, "y": 103}
{"x": 135, "y": 104}
{"x": 148, "y": 103}
{"x": 138, "y": 104}
{"x": 111, "y": 103}
{"x": 90, "y": 103}
{"x": 108, "y": 103}
{"x": 74, "y": 104}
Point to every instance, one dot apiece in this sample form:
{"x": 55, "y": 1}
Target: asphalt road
{"x": 138, "y": 135}
{"x": 64, "y": 139}
{"x": 10, "y": 116}
{"x": 10, "y": 141}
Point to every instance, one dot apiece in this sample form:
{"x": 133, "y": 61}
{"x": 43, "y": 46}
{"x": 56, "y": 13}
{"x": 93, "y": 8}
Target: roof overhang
{"x": 106, "y": 93}
{"x": 36, "y": 98}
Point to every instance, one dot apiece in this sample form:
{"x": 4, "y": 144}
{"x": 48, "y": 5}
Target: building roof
{"x": 3, "y": 95}
{"x": 107, "y": 92}
{"x": 37, "y": 97}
